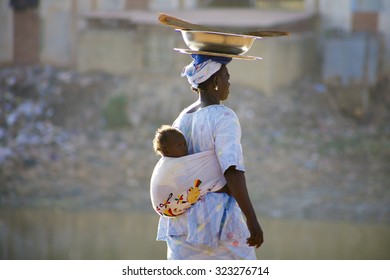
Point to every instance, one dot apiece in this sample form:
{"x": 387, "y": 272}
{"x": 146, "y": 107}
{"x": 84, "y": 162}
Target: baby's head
{"x": 170, "y": 142}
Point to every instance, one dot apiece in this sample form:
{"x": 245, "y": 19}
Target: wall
{"x": 285, "y": 60}
{"x": 6, "y": 32}
{"x": 140, "y": 49}
{"x": 116, "y": 51}
{"x": 61, "y": 24}
{"x": 149, "y": 49}
{"x": 384, "y": 24}
{"x": 57, "y": 32}
{"x": 339, "y": 14}
{"x": 163, "y": 5}
{"x": 336, "y": 14}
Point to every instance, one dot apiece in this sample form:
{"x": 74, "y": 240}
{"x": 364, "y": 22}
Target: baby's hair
{"x": 161, "y": 136}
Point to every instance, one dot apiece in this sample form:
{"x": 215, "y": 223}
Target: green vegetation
{"x": 115, "y": 111}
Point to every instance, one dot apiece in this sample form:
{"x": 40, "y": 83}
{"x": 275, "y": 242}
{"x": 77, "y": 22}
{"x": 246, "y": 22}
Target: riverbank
{"x": 305, "y": 158}
{"x": 44, "y": 234}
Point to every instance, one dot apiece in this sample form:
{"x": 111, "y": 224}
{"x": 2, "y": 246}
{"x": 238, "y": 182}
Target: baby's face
{"x": 176, "y": 146}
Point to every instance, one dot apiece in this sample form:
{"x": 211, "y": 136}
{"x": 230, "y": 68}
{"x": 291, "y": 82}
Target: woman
{"x": 214, "y": 227}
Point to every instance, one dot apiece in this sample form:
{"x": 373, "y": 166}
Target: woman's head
{"x": 170, "y": 142}
{"x": 202, "y": 68}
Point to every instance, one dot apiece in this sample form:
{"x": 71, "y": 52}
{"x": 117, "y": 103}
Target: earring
{"x": 216, "y": 88}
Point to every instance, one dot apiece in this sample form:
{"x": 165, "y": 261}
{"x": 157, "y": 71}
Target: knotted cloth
{"x": 203, "y": 67}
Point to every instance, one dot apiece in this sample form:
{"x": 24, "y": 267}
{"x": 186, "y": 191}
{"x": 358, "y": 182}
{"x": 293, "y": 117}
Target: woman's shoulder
{"x": 214, "y": 110}
{"x": 221, "y": 112}
{"x": 212, "y": 113}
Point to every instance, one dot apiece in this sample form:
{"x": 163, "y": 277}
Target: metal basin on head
{"x": 217, "y": 42}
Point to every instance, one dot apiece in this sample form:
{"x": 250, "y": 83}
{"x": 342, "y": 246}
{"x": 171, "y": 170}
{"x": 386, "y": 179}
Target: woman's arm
{"x": 236, "y": 182}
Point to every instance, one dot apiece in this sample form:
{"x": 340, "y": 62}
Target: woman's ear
{"x": 215, "y": 81}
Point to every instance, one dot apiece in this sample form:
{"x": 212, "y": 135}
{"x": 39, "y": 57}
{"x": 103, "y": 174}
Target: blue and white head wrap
{"x": 203, "y": 67}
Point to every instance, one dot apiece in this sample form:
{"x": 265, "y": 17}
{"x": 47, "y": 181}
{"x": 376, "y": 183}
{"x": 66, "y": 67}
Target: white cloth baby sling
{"x": 178, "y": 183}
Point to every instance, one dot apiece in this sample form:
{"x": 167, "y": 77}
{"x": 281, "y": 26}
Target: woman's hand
{"x": 256, "y": 238}
{"x": 236, "y": 182}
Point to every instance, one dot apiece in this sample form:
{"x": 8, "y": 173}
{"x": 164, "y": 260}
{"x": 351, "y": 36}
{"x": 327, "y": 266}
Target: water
{"x": 53, "y": 234}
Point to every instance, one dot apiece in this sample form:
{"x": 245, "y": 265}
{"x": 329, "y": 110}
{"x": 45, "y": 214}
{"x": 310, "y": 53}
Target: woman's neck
{"x": 204, "y": 100}
{"x": 207, "y": 99}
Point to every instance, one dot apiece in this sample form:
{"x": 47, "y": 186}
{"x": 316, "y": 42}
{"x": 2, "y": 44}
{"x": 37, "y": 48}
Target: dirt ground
{"x": 306, "y": 157}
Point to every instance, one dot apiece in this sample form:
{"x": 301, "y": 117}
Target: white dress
{"x": 214, "y": 228}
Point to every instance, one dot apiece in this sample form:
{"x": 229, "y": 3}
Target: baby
{"x": 170, "y": 142}
{"x": 179, "y": 180}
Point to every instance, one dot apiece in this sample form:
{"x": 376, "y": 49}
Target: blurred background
{"x": 85, "y": 84}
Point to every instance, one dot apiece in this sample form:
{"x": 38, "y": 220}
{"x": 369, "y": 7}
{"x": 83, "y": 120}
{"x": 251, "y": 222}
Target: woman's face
{"x": 223, "y": 83}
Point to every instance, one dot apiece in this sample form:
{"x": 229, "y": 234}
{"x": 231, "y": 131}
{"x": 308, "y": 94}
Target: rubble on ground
{"x": 304, "y": 157}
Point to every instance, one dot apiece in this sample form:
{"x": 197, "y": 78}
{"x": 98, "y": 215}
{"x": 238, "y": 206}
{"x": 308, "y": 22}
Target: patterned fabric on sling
{"x": 178, "y": 183}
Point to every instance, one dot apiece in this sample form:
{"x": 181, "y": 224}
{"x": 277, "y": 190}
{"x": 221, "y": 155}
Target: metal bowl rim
{"x": 215, "y": 32}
